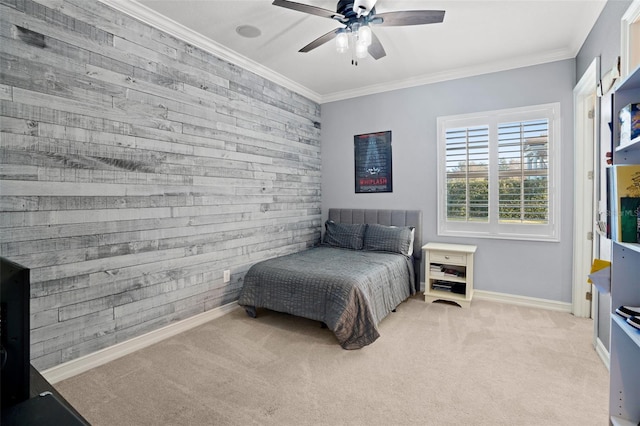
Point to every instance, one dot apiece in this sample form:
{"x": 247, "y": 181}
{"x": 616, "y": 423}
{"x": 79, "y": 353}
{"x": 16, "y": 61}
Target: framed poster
{"x": 373, "y": 162}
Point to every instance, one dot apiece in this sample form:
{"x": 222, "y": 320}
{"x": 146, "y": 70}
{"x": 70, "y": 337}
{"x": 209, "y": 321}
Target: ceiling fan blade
{"x": 375, "y": 49}
{"x": 410, "y": 17}
{"x": 325, "y": 13}
{"x": 319, "y": 41}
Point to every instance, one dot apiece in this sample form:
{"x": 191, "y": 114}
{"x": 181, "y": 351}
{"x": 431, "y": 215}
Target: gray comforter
{"x": 351, "y": 291}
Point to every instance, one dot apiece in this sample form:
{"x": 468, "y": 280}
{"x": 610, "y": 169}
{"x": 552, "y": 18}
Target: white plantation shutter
{"x": 467, "y": 173}
{"x": 523, "y": 174}
{"x": 498, "y": 173}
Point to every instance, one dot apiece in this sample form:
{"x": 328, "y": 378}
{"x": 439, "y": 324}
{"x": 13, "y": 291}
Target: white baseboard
{"x": 532, "y": 302}
{"x": 95, "y": 359}
{"x": 602, "y": 352}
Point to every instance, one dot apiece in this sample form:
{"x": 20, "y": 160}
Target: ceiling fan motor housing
{"x": 353, "y": 9}
{"x": 363, "y": 7}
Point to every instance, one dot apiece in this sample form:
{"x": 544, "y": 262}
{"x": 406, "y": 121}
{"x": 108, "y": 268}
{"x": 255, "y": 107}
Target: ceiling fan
{"x": 357, "y": 16}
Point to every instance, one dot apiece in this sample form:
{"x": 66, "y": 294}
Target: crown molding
{"x": 487, "y": 68}
{"x": 161, "y": 22}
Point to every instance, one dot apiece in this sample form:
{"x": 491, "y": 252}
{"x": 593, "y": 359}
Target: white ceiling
{"x": 476, "y": 37}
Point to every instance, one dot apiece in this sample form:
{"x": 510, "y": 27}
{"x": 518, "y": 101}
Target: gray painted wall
{"x": 136, "y": 169}
{"x": 534, "y": 269}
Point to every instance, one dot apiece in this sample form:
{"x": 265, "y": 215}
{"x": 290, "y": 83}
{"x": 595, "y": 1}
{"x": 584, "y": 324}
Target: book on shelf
{"x": 629, "y": 119}
{"x": 625, "y": 202}
{"x": 435, "y": 270}
{"x": 629, "y": 220}
{"x": 441, "y": 285}
{"x": 454, "y": 271}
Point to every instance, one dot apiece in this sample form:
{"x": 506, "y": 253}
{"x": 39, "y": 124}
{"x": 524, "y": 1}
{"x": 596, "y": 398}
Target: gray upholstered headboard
{"x": 387, "y": 217}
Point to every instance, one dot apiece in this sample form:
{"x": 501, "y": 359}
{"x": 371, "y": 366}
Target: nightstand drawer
{"x": 450, "y": 258}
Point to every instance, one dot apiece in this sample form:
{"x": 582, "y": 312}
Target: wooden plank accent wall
{"x": 136, "y": 168}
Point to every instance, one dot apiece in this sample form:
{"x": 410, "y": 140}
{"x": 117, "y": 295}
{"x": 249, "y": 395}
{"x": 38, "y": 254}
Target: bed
{"x": 367, "y": 264}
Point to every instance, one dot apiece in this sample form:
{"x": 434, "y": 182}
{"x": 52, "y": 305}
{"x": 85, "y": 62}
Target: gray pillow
{"x": 395, "y": 239}
{"x": 344, "y": 235}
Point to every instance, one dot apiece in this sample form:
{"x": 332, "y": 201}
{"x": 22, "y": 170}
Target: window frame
{"x": 493, "y": 228}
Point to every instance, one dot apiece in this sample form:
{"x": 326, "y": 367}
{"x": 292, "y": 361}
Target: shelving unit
{"x": 624, "y": 370}
{"x": 449, "y": 256}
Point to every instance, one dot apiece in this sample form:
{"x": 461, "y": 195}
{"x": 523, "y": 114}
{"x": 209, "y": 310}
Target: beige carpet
{"x": 437, "y": 364}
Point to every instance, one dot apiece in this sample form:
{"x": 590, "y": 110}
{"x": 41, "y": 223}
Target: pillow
{"x": 396, "y": 239}
{"x": 344, "y": 235}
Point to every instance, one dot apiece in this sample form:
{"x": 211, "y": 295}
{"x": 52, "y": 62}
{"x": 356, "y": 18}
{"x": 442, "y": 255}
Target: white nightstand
{"x": 448, "y": 272}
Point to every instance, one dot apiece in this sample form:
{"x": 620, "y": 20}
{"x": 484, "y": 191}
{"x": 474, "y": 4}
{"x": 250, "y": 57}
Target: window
{"x": 498, "y": 174}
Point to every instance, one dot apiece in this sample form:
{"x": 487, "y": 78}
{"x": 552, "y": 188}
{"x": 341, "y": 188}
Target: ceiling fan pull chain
{"x": 353, "y": 39}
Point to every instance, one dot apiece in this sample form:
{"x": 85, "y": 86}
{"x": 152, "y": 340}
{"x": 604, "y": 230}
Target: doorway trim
{"x": 583, "y": 209}
{"x": 630, "y": 48}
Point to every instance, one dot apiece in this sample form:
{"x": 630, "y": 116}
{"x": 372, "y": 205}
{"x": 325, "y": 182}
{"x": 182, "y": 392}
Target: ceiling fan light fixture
{"x": 342, "y": 41}
{"x": 361, "y": 50}
{"x": 364, "y": 35}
